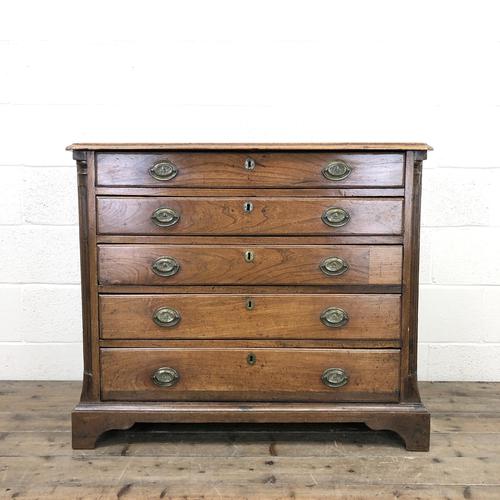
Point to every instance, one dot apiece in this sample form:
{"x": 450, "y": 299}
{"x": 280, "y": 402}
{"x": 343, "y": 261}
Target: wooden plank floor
{"x": 258, "y": 462}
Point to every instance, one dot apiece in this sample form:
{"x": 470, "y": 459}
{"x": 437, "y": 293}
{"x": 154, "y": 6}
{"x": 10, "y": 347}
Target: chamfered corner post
{"x": 88, "y": 263}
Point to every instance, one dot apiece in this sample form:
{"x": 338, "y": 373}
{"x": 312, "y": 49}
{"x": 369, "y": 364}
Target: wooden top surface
{"x": 320, "y": 146}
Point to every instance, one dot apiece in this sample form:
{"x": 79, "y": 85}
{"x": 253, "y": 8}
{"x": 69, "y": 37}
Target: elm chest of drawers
{"x": 250, "y": 283}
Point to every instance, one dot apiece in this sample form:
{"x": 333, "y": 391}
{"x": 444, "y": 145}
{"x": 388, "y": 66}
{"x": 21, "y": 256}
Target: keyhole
{"x": 249, "y": 164}
{"x": 249, "y": 304}
{"x": 249, "y": 256}
{"x": 251, "y": 358}
{"x": 247, "y": 207}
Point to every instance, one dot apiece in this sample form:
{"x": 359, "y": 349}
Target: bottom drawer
{"x": 262, "y": 374}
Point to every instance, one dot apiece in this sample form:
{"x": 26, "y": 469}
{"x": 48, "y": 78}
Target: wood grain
{"x": 225, "y": 265}
{"x": 250, "y": 289}
{"x": 262, "y": 485}
{"x": 254, "y": 343}
{"x": 476, "y": 401}
{"x": 225, "y": 375}
{"x": 226, "y": 169}
{"x": 409, "y": 385}
{"x": 251, "y": 240}
{"x": 88, "y": 265}
{"x": 278, "y": 146}
{"x": 268, "y": 216}
{"x": 174, "y": 192}
{"x": 217, "y": 316}
{"x": 247, "y": 440}
{"x": 287, "y": 460}
{"x": 289, "y": 242}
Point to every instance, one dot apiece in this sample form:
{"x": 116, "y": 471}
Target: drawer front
{"x": 249, "y": 265}
{"x": 247, "y": 169}
{"x": 220, "y": 316}
{"x": 248, "y": 216}
{"x": 249, "y": 375}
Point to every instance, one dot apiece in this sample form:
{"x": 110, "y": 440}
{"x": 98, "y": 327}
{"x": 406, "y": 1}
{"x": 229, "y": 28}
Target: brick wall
{"x": 259, "y": 71}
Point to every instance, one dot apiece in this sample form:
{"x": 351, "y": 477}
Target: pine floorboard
{"x": 249, "y": 461}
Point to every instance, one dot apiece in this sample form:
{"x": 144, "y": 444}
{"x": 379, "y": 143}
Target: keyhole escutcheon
{"x": 251, "y": 358}
{"x": 249, "y": 164}
{"x": 249, "y": 303}
{"x": 247, "y": 207}
{"x": 249, "y": 256}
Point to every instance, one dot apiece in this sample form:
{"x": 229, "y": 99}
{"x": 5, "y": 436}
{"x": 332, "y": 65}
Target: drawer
{"x": 251, "y": 169}
{"x": 249, "y": 265}
{"x": 224, "y": 316}
{"x": 249, "y": 216}
{"x": 243, "y": 375}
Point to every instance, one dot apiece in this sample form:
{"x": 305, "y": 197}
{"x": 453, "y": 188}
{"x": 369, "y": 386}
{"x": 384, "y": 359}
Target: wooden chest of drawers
{"x": 250, "y": 283}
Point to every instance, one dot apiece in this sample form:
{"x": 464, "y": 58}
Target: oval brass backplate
{"x": 165, "y": 377}
{"x": 335, "y": 217}
{"x": 165, "y": 266}
{"x": 337, "y": 170}
{"x": 163, "y": 170}
{"x": 165, "y": 217}
{"x": 166, "y": 317}
{"x": 334, "y": 377}
{"x": 334, "y": 317}
{"x": 334, "y": 266}
{"x": 251, "y": 358}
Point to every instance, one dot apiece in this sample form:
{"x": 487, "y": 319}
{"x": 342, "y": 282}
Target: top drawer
{"x": 220, "y": 170}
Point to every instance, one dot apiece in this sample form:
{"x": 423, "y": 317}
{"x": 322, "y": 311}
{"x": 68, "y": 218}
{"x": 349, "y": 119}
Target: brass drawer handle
{"x": 335, "y": 217}
{"x": 334, "y": 377}
{"x": 165, "y": 217}
{"x": 165, "y": 377}
{"x": 334, "y": 266}
{"x": 337, "y": 170}
{"x": 165, "y": 266}
{"x": 334, "y": 317}
{"x": 163, "y": 170}
{"x": 166, "y": 317}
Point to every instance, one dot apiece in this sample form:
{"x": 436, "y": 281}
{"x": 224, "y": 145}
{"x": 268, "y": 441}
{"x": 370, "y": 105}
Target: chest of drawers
{"x": 250, "y": 283}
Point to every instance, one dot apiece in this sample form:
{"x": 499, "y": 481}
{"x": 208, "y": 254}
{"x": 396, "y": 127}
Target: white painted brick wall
{"x": 39, "y": 254}
{"x": 61, "y": 207}
{"x": 265, "y": 71}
